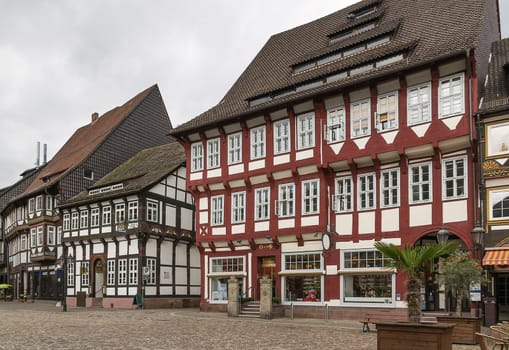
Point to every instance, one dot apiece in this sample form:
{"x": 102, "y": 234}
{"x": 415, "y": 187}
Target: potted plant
{"x": 413, "y": 260}
{"x": 456, "y": 272}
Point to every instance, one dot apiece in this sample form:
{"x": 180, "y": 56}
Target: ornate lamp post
{"x": 478, "y": 237}
{"x": 442, "y": 235}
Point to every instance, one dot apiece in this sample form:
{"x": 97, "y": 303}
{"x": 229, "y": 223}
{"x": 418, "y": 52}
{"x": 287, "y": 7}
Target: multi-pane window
{"x": 151, "y": 265}
{"x": 49, "y": 202}
{"x": 133, "y": 211}
{"x": 238, "y": 207}
{"x": 65, "y": 222}
{"x": 51, "y": 235}
{"x": 122, "y": 271}
{"x": 306, "y": 130}
{"x": 420, "y": 183}
{"x": 33, "y": 238}
{"x": 387, "y": 113}
{"x": 106, "y": 215}
{"x": 262, "y": 196}
{"x": 38, "y": 203}
{"x": 258, "y": 142}
{"x": 84, "y": 219}
{"x": 302, "y": 277}
{"x": 213, "y": 153}
{"x": 23, "y": 242}
{"x": 419, "y": 104}
{"x": 282, "y": 136}
{"x": 389, "y": 188}
{"x": 235, "y": 148}
{"x": 310, "y": 197}
{"x": 197, "y": 156}
{"x": 498, "y": 201}
{"x": 119, "y": 213}
{"x": 40, "y": 235}
{"x": 286, "y": 205}
{"x": 218, "y": 282}
{"x": 94, "y": 217}
{"x": 75, "y": 220}
{"x": 233, "y": 264}
{"x": 110, "y": 277}
{"x": 31, "y": 205}
{"x": 450, "y": 96}
{"x": 336, "y": 124}
{"x": 70, "y": 274}
{"x": 152, "y": 211}
{"x": 85, "y": 277}
{"x": 343, "y": 200}
{"x": 366, "y": 191}
{"x": 133, "y": 271}
{"x": 217, "y": 210}
{"x": 360, "y": 117}
{"x": 454, "y": 178}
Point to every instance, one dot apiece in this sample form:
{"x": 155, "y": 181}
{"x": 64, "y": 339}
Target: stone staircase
{"x": 251, "y": 309}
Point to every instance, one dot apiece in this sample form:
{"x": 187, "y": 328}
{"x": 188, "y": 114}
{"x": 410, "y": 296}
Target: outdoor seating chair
{"x": 488, "y": 342}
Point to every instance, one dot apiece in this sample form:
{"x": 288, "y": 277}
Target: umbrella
{"x": 5, "y": 286}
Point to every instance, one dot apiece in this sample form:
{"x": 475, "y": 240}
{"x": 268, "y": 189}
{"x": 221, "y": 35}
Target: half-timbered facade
{"x": 354, "y": 128}
{"x": 31, "y": 220}
{"x": 494, "y": 153}
{"x": 131, "y": 235}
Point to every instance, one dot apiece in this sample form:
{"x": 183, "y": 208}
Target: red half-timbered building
{"x": 351, "y": 129}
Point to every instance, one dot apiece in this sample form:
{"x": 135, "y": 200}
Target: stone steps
{"x": 250, "y": 309}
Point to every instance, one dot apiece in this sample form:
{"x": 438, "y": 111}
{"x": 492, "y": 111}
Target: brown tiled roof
{"x": 83, "y": 142}
{"x": 142, "y": 170}
{"x": 427, "y": 29}
{"x": 496, "y": 93}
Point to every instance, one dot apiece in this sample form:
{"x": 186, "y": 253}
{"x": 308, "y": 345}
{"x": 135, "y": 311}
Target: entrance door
{"x": 99, "y": 279}
{"x": 502, "y": 296}
{"x": 267, "y": 268}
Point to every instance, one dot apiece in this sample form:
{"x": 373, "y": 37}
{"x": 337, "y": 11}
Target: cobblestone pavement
{"x": 42, "y": 325}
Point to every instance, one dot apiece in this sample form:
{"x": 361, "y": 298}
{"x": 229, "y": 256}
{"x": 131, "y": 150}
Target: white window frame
{"x": 219, "y": 273}
{"x": 300, "y": 264}
{"x": 449, "y": 96}
{"x": 344, "y": 198}
{"x": 262, "y": 204}
{"x": 282, "y": 136}
{"x": 110, "y": 278}
{"x": 40, "y": 236}
{"x": 132, "y": 211}
{"x": 495, "y": 196}
{"x": 388, "y": 188}
{"x": 75, "y": 217}
{"x": 196, "y": 157}
{"x": 122, "y": 272}
{"x": 213, "y": 153}
{"x": 85, "y": 276}
{"x": 454, "y": 179}
{"x": 286, "y": 202}
{"x": 83, "y": 219}
{"x": 366, "y": 191}
{"x": 357, "y": 117}
{"x": 94, "y": 217}
{"x": 51, "y": 232}
{"x": 49, "y": 202}
{"x": 387, "y": 119}
{"x": 33, "y": 237}
{"x": 66, "y": 222}
{"x": 306, "y": 130}
{"x": 152, "y": 267}
{"x": 336, "y": 124}
{"x": 119, "y": 213}
{"x": 31, "y": 205}
{"x": 258, "y": 137}
{"x": 421, "y": 183}
{"x": 133, "y": 271}
{"x": 235, "y": 148}
{"x": 419, "y": 104}
{"x": 217, "y": 210}
{"x": 106, "y": 215}
{"x": 152, "y": 211}
{"x": 70, "y": 274}
{"x": 311, "y": 197}
{"x": 238, "y": 207}
{"x": 38, "y": 203}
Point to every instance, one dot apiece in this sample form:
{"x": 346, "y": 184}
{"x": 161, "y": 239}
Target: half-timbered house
{"x": 354, "y": 128}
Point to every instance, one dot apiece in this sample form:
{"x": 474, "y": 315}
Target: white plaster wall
{"x": 282, "y": 159}
{"x": 310, "y": 220}
{"x": 344, "y": 224}
{"x": 261, "y": 226}
{"x": 237, "y": 229}
{"x": 158, "y": 189}
{"x": 181, "y": 255}
{"x": 307, "y": 247}
{"x": 165, "y": 276}
{"x": 123, "y": 249}
{"x": 306, "y": 154}
{"x": 133, "y": 246}
{"x": 390, "y": 220}
{"x": 286, "y": 223}
{"x": 186, "y": 218}
{"x": 367, "y": 222}
{"x": 151, "y": 247}
{"x": 204, "y": 217}
{"x": 180, "y": 275}
{"x": 171, "y": 215}
{"x": 218, "y": 231}
{"x": 165, "y": 290}
{"x": 236, "y": 169}
{"x": 257, "y": 164}
{"x": 455, "y": 211}
{"x": 150, "y": 290}
{"x": 196, "y": 176}
{"x": 194, "y": 257}
{"x": 98, "y": 248}
{"x": 195, "y": 276}
{"x": 214, "y": 172}
{"x": 111, "y": 250}
{"x": 181, "y": 290}
{"x": 166, "y": 253}
{"x": 420, "y": 215}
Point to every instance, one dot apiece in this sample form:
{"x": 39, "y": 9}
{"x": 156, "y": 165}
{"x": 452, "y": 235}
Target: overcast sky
{"x": 62, "y": 60}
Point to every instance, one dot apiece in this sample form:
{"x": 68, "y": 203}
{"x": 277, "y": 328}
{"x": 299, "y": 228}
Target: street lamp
{"x": 442, "y": 234}
{"x": 477, "y": 237}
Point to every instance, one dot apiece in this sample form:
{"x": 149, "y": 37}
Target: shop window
{"x": 302, "y": 277}
{"x": 220, "y": 271}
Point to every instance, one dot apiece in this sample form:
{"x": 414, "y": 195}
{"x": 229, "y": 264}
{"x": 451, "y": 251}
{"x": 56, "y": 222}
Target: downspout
{"x": 471, "y": 139}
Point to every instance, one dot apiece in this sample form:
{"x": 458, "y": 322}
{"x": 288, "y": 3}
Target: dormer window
{"x": 351, "y": 32}
{"x": 88, "y": 174}
{"x": 361, "y": 12}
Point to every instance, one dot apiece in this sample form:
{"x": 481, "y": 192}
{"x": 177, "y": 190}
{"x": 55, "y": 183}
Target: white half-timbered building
{"x": 129, "y": 239}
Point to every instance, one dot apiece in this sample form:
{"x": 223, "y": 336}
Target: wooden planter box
{"x": 464, "y": 328}
{"x": 414, "y": 336}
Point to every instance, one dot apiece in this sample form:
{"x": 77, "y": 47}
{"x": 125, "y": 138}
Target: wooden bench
{"x": 379, "y": 316}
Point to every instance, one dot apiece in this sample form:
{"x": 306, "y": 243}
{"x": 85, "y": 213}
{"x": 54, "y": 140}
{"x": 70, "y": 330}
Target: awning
{"x": 496, "y": 257}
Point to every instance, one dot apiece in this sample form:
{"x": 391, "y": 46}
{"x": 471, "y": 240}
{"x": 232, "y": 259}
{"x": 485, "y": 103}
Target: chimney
{"x": 38, "y": 156}
{"x": 95, "y": 116}
{"x": 44, "y": 154}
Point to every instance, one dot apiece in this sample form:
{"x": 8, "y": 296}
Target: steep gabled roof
{"x": 422, "y": 30}
{"x": 142, "y": 170}
{"x": 496, "y": 93}
{"x": 83, "y": 143}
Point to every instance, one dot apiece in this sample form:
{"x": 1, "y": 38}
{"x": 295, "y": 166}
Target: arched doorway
{"x": 98, "y": 278}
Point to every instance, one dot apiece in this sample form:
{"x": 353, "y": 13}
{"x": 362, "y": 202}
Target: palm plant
{"x": 413, "y": 260}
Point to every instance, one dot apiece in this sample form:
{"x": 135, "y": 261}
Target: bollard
{"x": 291, "y": 311}
{"x": 326, "y": 311}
